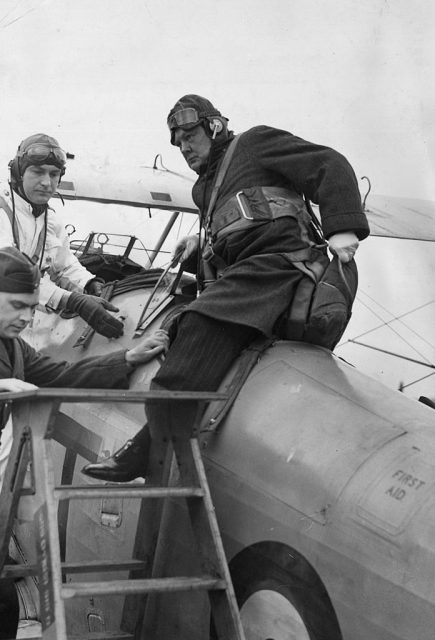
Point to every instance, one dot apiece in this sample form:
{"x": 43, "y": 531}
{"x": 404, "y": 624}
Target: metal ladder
{"x": 34, "y": 419}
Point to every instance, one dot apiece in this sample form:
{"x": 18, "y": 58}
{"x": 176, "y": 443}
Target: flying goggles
{"x": 186, "y": 118}
{"x": 37, "y": 153}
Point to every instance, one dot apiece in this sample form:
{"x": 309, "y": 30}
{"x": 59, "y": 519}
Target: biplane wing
{"x": 406, "y": 218}
{"x": 137, "y": 186}
{"x": 160, "y": 188}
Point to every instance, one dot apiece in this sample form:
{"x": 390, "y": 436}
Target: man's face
{"x": 16, "y": 311}
{"x": 195, "y": 146}
{"x": 40, "y": 182}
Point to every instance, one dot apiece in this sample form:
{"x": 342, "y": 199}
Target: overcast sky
{"x": 358, "y": 75}
{"x": 101, "y": 75}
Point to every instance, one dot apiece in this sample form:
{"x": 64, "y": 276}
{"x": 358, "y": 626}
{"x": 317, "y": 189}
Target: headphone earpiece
{"x": 216, "y": 126}
{"x": 14, "y": 171}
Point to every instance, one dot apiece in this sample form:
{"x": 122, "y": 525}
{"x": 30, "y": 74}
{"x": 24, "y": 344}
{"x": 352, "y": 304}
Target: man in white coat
{"x": 31, "y": 225}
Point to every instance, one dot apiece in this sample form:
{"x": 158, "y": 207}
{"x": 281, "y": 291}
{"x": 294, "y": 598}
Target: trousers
{"x": 198, "y": 359}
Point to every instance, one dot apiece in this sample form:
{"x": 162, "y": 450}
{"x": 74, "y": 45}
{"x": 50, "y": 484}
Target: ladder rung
{"x": 104, "y": 635}
{"x": 151, "y": 585}
{"x": 95, "y": 566}
{"x": 92, "y": 566}
{"x": 95, "y": 635}
{"x": 139, "y": 491}
{"x": 18, "y": 570}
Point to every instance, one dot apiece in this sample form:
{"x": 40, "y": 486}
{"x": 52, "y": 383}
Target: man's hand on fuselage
{"x": 14, "y": 384}
{"x": 151, "y": 347}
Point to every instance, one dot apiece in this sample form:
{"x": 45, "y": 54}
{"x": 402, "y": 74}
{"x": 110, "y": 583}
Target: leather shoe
{"x": 125, "y": 465}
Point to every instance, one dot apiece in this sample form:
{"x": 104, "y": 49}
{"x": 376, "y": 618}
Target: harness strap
{"x": 211, "y": 264}
{"x": 303, "y": 259}
{"x": 220, "y": 175}
{"x": 41, "y": 241}
{"x": 247, "y": 361}
{"x": 297, "y": 313}
{"x": 314, "y": 269}
{"x": 6, "y": 208}
{"x": 258, "y": 204}
{"x": 12, "y": 219}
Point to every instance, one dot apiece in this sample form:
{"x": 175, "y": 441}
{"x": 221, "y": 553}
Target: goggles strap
{"x": 41, "y": 152}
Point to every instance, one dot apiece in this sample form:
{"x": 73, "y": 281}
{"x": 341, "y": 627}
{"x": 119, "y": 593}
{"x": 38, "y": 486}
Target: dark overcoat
{"x": 259, "y": 281}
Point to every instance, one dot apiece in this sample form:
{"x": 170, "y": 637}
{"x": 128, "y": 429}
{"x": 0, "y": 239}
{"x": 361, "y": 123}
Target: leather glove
{"x": 184, "y": 248}
{"x": 93, "y": 310}
{"x": 95, "y": 287}
{"x": 343, "y": 245}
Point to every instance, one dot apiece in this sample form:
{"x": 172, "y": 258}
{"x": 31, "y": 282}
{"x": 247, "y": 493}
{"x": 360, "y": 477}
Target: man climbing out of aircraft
{"x": 22, "y": 368}
{"x": 27, "y": 222}
{"x": 253, "y": 236}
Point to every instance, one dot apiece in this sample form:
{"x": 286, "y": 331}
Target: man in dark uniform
{"x": 256, "y": 232}
{"x": 22, "y": 368}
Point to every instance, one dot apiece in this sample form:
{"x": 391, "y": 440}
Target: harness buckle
{"x": 241, "y": 207}
{"x": 207, "y": 250}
